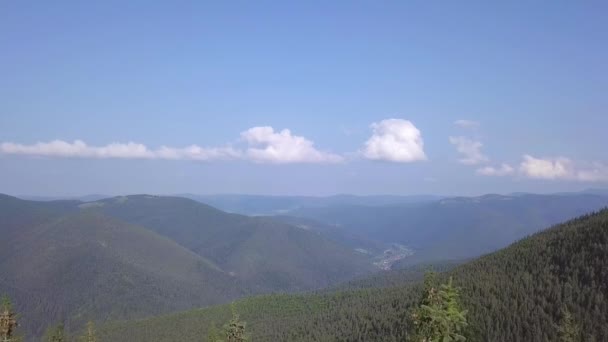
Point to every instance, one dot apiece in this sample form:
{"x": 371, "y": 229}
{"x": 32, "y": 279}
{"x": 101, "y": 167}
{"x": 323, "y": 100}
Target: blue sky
{"x": 377, "y": 97}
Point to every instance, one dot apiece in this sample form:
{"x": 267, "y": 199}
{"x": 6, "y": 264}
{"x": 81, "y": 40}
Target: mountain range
{"x": 131, "y": 257}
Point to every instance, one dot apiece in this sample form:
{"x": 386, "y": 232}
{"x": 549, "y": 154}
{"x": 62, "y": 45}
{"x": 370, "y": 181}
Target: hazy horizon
{"x": 178, "y": 194}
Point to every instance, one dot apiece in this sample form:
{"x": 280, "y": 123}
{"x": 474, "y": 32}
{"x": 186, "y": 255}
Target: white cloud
{"x": 546, "y": 168}
{"x": 195, "y": 152}
{"x": 562, "y": 168}
{"x": 503, "y": 170}
{"x": 263, "y": 146}
{"x": 130, "y": 150}
{"x": 78, "y": 149}
{"x": 466, "y": 124}
{"x": 395, "y": 140}
{"x": 266, "y": 145}
{"x": 470, "y": 150}
{"x": 595, "y": 172}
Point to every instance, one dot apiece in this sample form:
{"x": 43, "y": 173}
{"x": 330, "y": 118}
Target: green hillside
{"x": 265, "y": 254}
{"x": 516, "y": 294}
{"x": 86, "y": 266}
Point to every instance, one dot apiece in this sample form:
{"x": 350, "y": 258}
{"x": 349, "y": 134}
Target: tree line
{"x": 438, "y": 317}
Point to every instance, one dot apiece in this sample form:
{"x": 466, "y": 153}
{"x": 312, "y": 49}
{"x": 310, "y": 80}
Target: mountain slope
{"x": 515, "y": 294}
{"x": 525, "y": 286}
{"x": 339, "y": 235}
{"x": 134, "y": 256}
{"x": 83, "y": 265}
{"x": 266, "y": 254}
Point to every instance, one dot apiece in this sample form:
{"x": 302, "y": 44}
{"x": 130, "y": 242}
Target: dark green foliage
{"x": 517, "y": 294}
{"x": 514, "y": 295}
{"x": 366, "y": 315}
{"x": 439, "y": 317}
{"x": 408, "y": 275}
{"x": 235, "y": 329}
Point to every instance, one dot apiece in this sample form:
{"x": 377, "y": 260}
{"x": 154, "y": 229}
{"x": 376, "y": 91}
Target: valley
{"x": 149, "y": 255}
{"x": 390, "y": 256}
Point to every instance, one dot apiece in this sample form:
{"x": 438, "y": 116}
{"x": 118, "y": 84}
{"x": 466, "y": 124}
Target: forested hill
{"x": 266, "y": 254}
{"x": 517, "y": 294}
{"x": 137, "y": 256}
{"x": 67, "y": 265}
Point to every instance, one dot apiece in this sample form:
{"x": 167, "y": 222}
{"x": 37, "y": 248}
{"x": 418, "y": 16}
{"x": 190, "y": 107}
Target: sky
{"x": 303, "y": 97}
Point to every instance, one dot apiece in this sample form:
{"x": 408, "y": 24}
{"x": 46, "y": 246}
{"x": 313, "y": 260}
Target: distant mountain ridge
{"x": 281, "y": 205}
{"x": 457, "y": 227}
{"x": 83, "y": 198}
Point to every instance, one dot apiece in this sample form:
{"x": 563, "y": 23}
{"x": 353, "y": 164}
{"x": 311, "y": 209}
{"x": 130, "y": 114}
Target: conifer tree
{"x": 8, "y": 321}
{"x": 89, "y": 334}
{"x": 568, "y": 329}
{"x": 439, "y": 317}
{"x": 235, "y": 331}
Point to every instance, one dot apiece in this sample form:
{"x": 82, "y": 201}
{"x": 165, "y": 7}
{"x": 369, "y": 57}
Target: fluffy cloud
{"x": 266, "y": 145}
{"x": 546, "y": 168}
{"x": 503, "y": 170}
{"x": 395, "y": 140}
{"x": 130, "y": 150}
{"x": 469, "y": 149}
{"x": 562, "y": 168}
{"x": 466, "y": 123}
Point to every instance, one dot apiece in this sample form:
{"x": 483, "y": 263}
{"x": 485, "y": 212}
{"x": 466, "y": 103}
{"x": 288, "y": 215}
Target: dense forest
{"x": 526, "y": 292}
